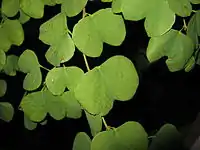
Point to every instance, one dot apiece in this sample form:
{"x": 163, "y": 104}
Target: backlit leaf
{"x": 11, "y": 66}
{"x": 6, "y": 111}
{"x": 10, "y": 7}
{"x": 3, "y": 88}
{"x": 175, "y": 45}
{"x": 28, "y": 124}
{"x": 33, "y": 8}
{"x": 82, "y": 142}
{"x": 73, "y": 7}
{"x": 2, "y": 59}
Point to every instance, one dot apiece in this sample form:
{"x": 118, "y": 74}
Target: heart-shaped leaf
{"x": 10, "y": 7}
{"x": 11, "y": 66}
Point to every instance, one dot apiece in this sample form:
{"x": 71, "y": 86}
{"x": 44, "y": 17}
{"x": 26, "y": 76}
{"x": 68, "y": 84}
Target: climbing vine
{"x": 68, "y": 90}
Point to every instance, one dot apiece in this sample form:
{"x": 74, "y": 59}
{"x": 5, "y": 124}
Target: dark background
{"x": 162, "y": 96}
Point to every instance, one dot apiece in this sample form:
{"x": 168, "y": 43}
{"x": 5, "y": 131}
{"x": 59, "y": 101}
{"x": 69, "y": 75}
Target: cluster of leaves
{"x": 67, "y": 91}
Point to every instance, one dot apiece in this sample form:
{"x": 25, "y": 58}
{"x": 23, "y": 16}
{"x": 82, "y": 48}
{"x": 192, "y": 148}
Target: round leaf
{"x": 6, "y": 111}
{"x": 10, "y": 7}
{"x": 3, "y": 88}
{"x": 11, "y": 66}
{"x": 2, "y": 59}
{"x": 82, "y": 142}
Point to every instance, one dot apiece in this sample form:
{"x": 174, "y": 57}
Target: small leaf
{"x": 116, "y": 6}
{"x": 5, "y": 43}
{"x": 190, "y": 64}
{"x": 86, "y": 37}
{"x": 11, "y": 66}
{"x": 3, "y": 88}
{"x": 29, "y": 124}
{"x": 82, "y": 142}
{"x": 2, "y": 59}
{"x": 6, "y": 111}
{"x": 33, "y": 8}
{"x": 106, "y": 1}
{"x": 73, "y": 7}
{"x": 95, "y": 123}
{"x": 10, "y": 7}
{"x": 23, "y": 17}
{"x": 195, "y": 1}
{"x": 44, "y": 122}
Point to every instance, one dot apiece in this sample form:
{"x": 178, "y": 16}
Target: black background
{"x": 162, "y": 96}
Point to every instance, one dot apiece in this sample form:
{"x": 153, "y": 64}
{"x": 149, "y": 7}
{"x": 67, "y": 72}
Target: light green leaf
{"x": 130, "y": 135}
{"x": 2, "y": 59}
{"x": 157, "y": 24}
{"x": 73, "y": 7}
{"x": 23, "y": 17}
{"x": 44, "y": 122}
{"x": 166, "y": 138}
{"x": 28, "y": 124}
{"x": 3, "y": 88}
{"x": 190, "y": 64}
{"x": 34, "y": 105}
{"x": 95, "y": 123}
{"x": 11, "y": 66}
{"x": 116, "y": 6}
{"x": 52, "y": 30}
{"x": 49, "y": 2}
{"x": 61, "y": 52}
{"x": 86, "y": 38}
{"x": 5, "y": 43}
{"x": 182, "y": 8}
{"x": 33, "y": 8}
{"x": 73, "y": 108}
{"x": 14, "y": 31}
{"x": 10, "y": 7}
{"x": 82, "y": 142}
{"x": 195, "y": 1}
{"x": 110, "y": 26}
{"x": 6, "y": 111}
{"x": 119, "y": 72}
{"x": 177, "y": 46}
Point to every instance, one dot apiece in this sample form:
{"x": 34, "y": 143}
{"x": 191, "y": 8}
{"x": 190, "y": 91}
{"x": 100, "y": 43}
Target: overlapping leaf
{"x": 195, "y": 1}
{"x": 28, "y": 124}
{"x": 130, "y": 135}
{"x": 103, "y": 26}
{"x": 175, "y": 45}
{"x": 11, "y": 66}
{"x": 23, "y": 18}
{"x": 54, "y": 33}
{"x": 99, "y": 87}
{"x": 28, "y": 63}
{"x": 73, "y": 7}
{"x": 10, "y": 7}
{"x": 82, "y": 142}
{"x": 190, "y": 64}
{"x": 3, "y": 88}
{"x": 2, "y": 59}
{"x": 6, "y": 111}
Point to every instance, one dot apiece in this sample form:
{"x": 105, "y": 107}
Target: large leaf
{"x": 100, "y": 86}
{"x": 157, "y": 24}
{"x": 6, "y": 111}
{"x": 33, "y": 8}
{"x": 28, "y": 63}
{"x": 10, "y": 7}
{"x": 86, "y": 38}
{"x": 3, "y": 88}
{"x": 111, "y": 27}
{"x": 177, "y": 46}
{"x": 182, "y": 8}
{"x": 2, "y": 59}
{"x": 95, "y": 123}
{"x": 130, "y": 135}
{"x": 28, "y": 124}
{"x": 11, "y": 66}
{"x": 73, "y": 7}
{"x": 82, "y": 142}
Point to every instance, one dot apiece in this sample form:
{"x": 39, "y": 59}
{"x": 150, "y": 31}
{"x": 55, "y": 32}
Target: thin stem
{"x": 105, "y": 124}
{"x": 194, "y": 11}
{"x": 44, "y": 68}
{"x": 184, "y": 25}
{"x": 69, "y": 32}
{"x": 151, "y": 137}
{"x": 86, "y": 62}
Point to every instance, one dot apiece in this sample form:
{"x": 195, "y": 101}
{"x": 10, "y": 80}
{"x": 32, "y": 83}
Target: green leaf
{"x": 11, "y": 66}
{"x": 33, "y": 8}
{"x": 82, "y": 142}
{"x": 29, "y": 124}
{"x": 182, "y": 8}
{"x": 175, "y": 45}
{"x": 95, "y": 123}
{"x": 49, "y": 2}
{"x": 130, "y": 135}
{"x": 6, "y": 111}
{"x": 52, "y": 30}
{"x": 2, "y": 59}
{"x": 111, "y": 27}
{"x": 73, "y": 7}
{"x": 58, "y": 79}
{"x": 44, "y": 122}
{"x": 10, "y": 7}
{"x": 3, "y": 88}
{"x": 28, "y": 63}
{"x": 119, "y": 72}
{"x": 61, "y": 52}
{"x": 190, "y": 64}
{"x": 86, "y": 37}
{"x": 166, "y": 138}
{"x": 195, "y": 1}
{"x": 73, "y": 108}
{"x": 23, "y": 17}
{"x": 116, "y": 6}
{"x": 14, "y": 31}
{"x": 106, "y": 1}
{"x": 34, "y": 105}
{"x": 157, "y": 24}
{"x": 5, "y": 43}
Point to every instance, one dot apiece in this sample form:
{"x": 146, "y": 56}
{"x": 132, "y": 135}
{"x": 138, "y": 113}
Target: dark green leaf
{"x": 6, "y": 111}
{"x": 3, "y": 88}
